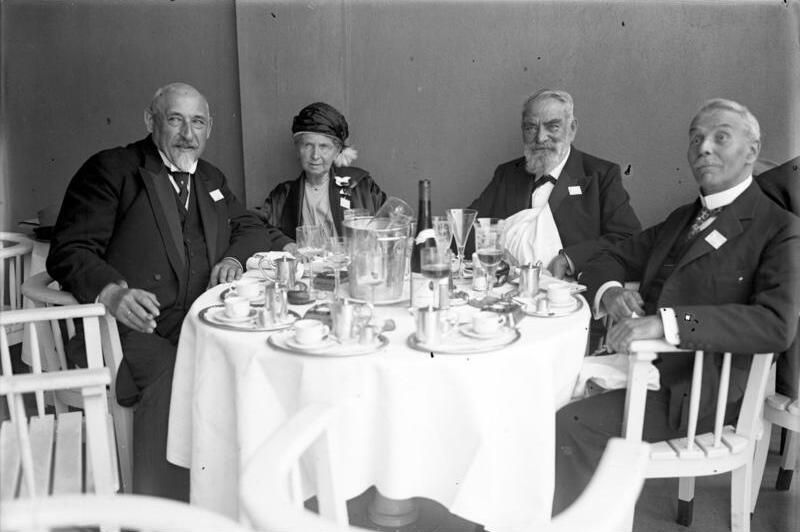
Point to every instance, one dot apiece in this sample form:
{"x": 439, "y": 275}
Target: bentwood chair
{"x": 15, "y": 264}
{"x": 127, "y": 512}
{"x": 44, "y": 453}
{"x": 272, "y": 499}
{"x": 785, "y": 412}
{"x": 725, "y": 449}
{"x": 43, "y": 292}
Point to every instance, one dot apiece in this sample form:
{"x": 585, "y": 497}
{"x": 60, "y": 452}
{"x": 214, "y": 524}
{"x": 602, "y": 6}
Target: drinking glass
{"x": 488, "y": 248}
{"x": 396, "y": 210}
{"x": 310, "y": 245}
{"x": 435, "y": 265}
{"x": 442, "y": 232}
{"x": 461, "y": 221}
{"x": 337, "y": 258}
{"x": 369, "y": 266}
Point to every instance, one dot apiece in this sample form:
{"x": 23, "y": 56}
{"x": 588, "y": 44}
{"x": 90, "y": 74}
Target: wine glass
{"x": 488, "y": 248}
{"x": 442, "y": 231}
{"x": 310, "y": 245}
{"x": 461, "y": 221}
{"x": 338, "y": 259}
{"x": 435, "y": 265}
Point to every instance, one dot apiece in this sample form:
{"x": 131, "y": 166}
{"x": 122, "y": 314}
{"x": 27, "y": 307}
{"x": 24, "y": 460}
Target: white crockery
{"x": 237, "y": 307}
{"x": 310, "y": 332}
{"x": 485, "y": 323}
{"x": 559, "y": 294}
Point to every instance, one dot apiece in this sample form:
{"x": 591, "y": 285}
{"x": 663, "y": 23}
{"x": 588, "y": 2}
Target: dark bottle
{"x": 425, "y": 235}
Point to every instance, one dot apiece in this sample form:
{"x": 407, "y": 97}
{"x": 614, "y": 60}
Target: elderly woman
{"x": 327, "y": 186}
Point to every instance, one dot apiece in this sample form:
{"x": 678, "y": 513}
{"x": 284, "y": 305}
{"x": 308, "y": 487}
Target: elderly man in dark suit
{"x": 145, "y": 229}
{"x": 719, "y": 274}
{"x": 566, "y": 204}
{"x": 782, "y": 184}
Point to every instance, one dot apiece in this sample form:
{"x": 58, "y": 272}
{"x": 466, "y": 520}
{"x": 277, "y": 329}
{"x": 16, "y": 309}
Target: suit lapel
{"x": 162, "y": 200}
{"x": 208, "y": 214}
{"x": 293, "y": 208}
{"x": 572, "y": 175}
{"x": 673, "y": 229}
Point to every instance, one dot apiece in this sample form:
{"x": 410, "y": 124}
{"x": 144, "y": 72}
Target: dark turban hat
{"x": 321, "y": 118}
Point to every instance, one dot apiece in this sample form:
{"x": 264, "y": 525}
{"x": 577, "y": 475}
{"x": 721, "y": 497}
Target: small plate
{"x": 292, "y": 342}
{"x": 220, "y": 316}
{"x": 330, "y": 348}
{"x": 465, "y": 345}
{"x": 553, "y": 311}
{"x": 210, "y": 316}
{"x": 467, "y": 330}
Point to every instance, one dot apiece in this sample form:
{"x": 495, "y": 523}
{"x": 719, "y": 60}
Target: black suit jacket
{"x": 742, "y": 296}
{"x": 782, "y": 185}
{"x": 119, "y": 221}
{"x": 597, "y": 217}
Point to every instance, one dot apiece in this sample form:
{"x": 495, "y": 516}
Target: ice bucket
{"x": 377, "y": 250}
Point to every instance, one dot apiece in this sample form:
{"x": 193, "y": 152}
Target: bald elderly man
{"x": 145, "y": 229}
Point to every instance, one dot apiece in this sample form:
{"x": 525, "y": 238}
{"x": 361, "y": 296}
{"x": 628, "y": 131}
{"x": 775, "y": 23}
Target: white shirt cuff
{"x": 670, "y": 322}
{"x": 599, "y": 311}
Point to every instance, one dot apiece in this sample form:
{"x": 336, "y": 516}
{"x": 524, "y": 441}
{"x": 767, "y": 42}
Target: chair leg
{"x": 788, "y": 462}
{"x": 685, "y": 500}
{"x": 760, "y": 462}
{"x": 741, "y": 486}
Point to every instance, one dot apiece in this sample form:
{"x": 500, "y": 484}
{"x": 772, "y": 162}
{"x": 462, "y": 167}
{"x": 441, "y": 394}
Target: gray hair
{"x": 153, "y": 108}
{"x": 554, "y": 94}
{"x": 750, "y": 121}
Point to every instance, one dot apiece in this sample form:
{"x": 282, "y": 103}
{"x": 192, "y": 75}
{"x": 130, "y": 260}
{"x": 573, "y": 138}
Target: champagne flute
{"x": 461, "y": 221}
{"x": 310, "y": 244}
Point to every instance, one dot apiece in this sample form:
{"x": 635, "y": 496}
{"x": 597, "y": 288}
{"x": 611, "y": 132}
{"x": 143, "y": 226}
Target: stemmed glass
{"x": 442, "y": 231}
{"x": 435, "y": 265}
{"x": 338, "y": 259}
{"x": 310, "y": 244}
{"x": 488, "y": 248}
{"x": 461, "y": 221}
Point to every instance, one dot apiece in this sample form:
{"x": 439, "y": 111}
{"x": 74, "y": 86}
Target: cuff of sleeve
{"x": 670, "y": 322}
{"x": 570, "y": 264}
{"x": 597, "y": 308}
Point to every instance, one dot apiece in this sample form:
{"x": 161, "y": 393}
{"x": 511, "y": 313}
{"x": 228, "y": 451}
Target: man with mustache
{"x": 145, "y": 229}
{"x": 561, "y": 205}
{"x": 720, "y": 274}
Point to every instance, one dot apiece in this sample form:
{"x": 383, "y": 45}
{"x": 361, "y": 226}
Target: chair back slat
{"x": 24, "y": 442}
{"x": 750, "y": 414}
{"x": 694, "y": 399}
{"x": 10, "y": 461}
{"x": 722, "y": 398}
{"x": 32, "y": 339}
{"x": 68, "y": 466}
{"x": 98, "y": 451}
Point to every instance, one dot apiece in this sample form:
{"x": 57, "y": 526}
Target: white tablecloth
{"x": 473, "y": 432}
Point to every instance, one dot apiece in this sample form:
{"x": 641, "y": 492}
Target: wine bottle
{"x": 425, "y": 235}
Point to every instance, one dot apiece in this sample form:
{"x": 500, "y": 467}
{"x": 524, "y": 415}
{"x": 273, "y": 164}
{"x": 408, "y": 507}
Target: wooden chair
{"x": 15, "y": 265}
{"x": 782, "y": 411}
{"x": 43, "y": 453}
{"x": 725, "y": 449}
{"x": 43, "y": 292}
{"x": 128, "y": 512}
{"x": 272, "y": 499}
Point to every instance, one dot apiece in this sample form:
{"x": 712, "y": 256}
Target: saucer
{"x": 467, "y": 330}
{"x": 221, "y": 317}
{"x": 553, "y": 311}
{"x": 292, "y": 342}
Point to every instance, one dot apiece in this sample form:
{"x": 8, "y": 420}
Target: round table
{"x": 473, "y": 432}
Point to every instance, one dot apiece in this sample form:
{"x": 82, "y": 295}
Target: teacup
{"x": 310, "y": 332}
{"x": 559, "y": 295}
{"x": 248, "y": 287}
{"x": 237, "y": 307}
{"x": 486, "y": 323}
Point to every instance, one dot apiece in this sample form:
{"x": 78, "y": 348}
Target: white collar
{"x": 725, "y": 197}
{"x": 556, "y": 172}
{"x": 172, "y": 168}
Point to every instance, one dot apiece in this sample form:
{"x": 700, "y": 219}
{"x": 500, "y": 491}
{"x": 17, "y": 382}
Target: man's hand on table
{"x": 225, "y": 271}
{"x": 622, "y": 333}
{"x": 559, "y": 266}
{"x": 621, "y": 303}
{"x": 132, "y": 307}
{"x": 291, "y": 247}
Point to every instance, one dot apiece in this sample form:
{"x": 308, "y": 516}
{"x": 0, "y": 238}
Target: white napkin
{"x": 610, "y": 372}
{"x": 531, "y": 235}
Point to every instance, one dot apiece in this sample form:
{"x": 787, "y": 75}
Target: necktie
{"x": 182, "y": 179}
{"x": 542, "y": 180}
{"x": 699, "y": 220}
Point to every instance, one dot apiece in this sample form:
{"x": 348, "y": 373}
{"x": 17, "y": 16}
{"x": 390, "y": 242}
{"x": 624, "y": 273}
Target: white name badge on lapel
{"x": 575, "y": 191}
{"x": 216, "y": 195}
{"x": 344, "y": 203}
{"x": 716, "y": 239}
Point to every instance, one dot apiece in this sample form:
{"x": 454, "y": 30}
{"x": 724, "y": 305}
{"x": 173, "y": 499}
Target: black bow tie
{"x": 542, "y": 180}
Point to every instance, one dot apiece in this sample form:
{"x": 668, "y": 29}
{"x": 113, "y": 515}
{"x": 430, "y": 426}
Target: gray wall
{"x": 76, "y": 77}
{"x": 433, "y": 89}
